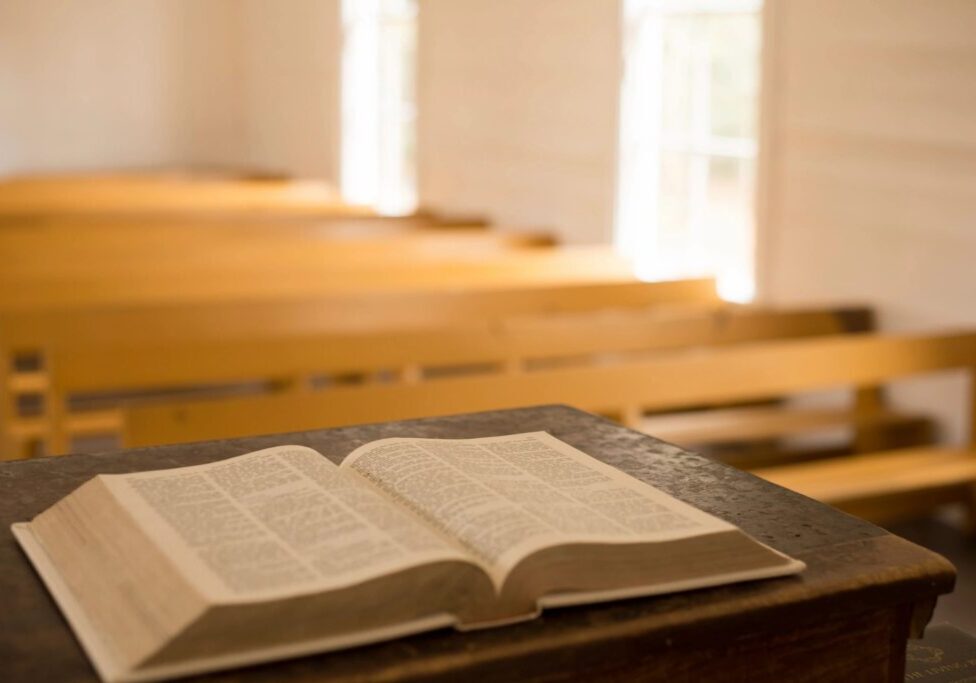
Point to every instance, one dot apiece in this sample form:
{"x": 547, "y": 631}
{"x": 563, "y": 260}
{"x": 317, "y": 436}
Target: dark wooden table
{"x": 846, "y": 618}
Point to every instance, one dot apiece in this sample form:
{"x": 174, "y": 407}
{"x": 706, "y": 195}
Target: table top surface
{"x": 845, "y": 557}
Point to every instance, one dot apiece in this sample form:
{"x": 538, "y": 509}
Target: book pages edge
{"x": 584, "y": 598}
{"x": 86, "y": 634}
{"x": 110, "y": 672}
{"x": 290, "y": 650}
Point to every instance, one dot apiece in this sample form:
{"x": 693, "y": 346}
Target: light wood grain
{"x": 283, "y": 343}
{"x": 285, "y": 359}
{"x": 678, "y": 380}
{"x": 259, "y": 271}
{"x": 669, "y": 381}
{"x": 107, "y": 194}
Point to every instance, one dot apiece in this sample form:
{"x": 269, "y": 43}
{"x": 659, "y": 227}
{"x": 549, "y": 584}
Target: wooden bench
{"x": 44, "y": 255}
{"x": 29, "y": 338}
{"x": 44, "y": 229}
{"x": 172, "y": 195}
{"x": 666, "y": 382}
{"x": 27, "y": 330}
{"x": 255, "y": 270}
{"x": 206, "y": 199}
{"x": 287, "y": 359}
{"x": 264, "y": 357}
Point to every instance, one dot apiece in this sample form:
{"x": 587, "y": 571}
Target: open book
{"x": 281, "y": 552}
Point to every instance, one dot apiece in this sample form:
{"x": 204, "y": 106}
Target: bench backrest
{"x": 508, "y": 344}
{"x": 257, "y": 271}
{"x": 670, "y": 381}
{"x": 35, "y": 257}
{"x": 33, "y": 343}
{"x": 168, "y": 195}
{"x": 24, "y": 331}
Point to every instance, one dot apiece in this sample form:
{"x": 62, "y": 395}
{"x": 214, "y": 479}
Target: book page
{"x": 506, "y": 497}
{"x": 277, "y": 522}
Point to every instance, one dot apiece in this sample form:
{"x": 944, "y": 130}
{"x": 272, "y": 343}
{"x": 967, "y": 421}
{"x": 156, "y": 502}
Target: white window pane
{"x": 688, "y": 141}
{"x": 710, "y": 77}
{"x": 734, "y": 75}
{"x": 378, "y": 103}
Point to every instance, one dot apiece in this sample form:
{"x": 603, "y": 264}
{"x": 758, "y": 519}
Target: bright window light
{"x": 378, "y": 104}
{"x": 688, "y": 131}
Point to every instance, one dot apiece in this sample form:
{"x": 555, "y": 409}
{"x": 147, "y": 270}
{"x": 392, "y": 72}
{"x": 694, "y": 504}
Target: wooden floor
{"x": 959, "y": 607}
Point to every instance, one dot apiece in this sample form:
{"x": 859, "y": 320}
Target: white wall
{"x": 518, "y": 111}
{"x": 148, "y": 83}
{"x": 69, "y": 97}
{"x": 291, "y": 61}
{"x": 204, "y": 88}
{"x": 871, "y": 174}
{"x": 116, "y": 83}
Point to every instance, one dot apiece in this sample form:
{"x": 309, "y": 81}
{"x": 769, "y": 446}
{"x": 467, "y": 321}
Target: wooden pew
{"x": 155, "y": 173}
{"x": 205, "y": 198}
{"x": 172, "y": 195}
{"x": 58, "y": 266}
{"x": 32, "y": 247}
{"x": 29, "y": 337}
{"x": 55, "y": 227}
{"x": 29, "y": 330}
{"x": 278, "y": 359}
{"x": 255, "y": 270}
{"x": 54, "y": 254}
{"x": 62, "y": 261}
{"x": 878, "y": 485}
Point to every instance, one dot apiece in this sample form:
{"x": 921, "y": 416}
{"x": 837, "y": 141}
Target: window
{"x": 378, "y": 104}
{"x": 689, "y": 105}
